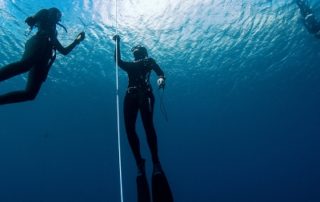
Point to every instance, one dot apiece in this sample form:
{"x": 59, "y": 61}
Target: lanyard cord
{"x": 118, "y": 114}
{"x": 162, "y": 105}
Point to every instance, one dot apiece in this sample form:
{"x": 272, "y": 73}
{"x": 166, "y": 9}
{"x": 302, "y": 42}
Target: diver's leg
{"x": 14, "y": 69}
{"x": 130, "y": 117}
{"x": 31, "y": 91}
{"x": 146, "y": 109}
{"x": 33, "y": 54}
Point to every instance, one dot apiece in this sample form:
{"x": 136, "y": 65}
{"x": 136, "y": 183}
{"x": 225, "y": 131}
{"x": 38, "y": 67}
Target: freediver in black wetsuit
{"x": 309, "y": 20}
{"x": 139, "y": 97}
{"x": 38, "y": 56}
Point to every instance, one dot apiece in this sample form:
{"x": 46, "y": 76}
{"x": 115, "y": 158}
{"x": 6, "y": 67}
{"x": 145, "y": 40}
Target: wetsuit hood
{"x": 139, "y": 52}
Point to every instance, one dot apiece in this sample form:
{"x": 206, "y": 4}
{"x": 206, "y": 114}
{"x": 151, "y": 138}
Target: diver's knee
{"x": 30, "y": 95}
{"x": 33, "y": 96}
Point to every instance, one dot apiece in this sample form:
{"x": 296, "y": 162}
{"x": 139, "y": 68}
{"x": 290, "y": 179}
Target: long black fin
{"x": 161, "y": 191}
{"x": 143, "y": 189}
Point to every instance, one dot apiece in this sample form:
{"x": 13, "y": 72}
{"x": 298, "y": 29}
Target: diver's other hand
{"x": 161, "y": 82}
{"x": 80, "y": 37}
{"x": 116, "y": 37}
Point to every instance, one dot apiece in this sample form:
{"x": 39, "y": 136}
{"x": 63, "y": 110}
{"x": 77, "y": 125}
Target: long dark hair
{"x": 45, "y": 19}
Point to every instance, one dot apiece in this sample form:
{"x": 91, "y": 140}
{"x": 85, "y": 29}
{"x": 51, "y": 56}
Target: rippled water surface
{"x": 242, "y": 98}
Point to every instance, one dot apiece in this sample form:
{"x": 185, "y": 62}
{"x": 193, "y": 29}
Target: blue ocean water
{"x": 242, "y": 98}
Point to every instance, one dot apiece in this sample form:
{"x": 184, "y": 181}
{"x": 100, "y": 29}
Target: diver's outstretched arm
{"x": 117, "y": 53}
{"x": 68, "y": 49}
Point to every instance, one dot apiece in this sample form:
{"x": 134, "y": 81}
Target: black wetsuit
{"x": 38, "y": 57}
{"x": 139, "y": 97}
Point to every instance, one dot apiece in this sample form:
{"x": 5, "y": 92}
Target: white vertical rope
{"x": 118, "y": 113}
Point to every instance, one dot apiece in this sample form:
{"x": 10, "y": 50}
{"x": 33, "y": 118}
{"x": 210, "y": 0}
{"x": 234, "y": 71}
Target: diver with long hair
{"x": 309, "y": 19}
{"x": 38, "y": 56}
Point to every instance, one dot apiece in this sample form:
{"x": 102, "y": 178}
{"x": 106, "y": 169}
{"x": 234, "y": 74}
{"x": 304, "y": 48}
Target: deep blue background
{"x": 242, "y": 98}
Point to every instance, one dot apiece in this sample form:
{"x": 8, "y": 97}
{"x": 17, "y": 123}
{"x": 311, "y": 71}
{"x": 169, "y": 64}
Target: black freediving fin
{"x": 161, "y": 191}
{"x": 143, "y": 189}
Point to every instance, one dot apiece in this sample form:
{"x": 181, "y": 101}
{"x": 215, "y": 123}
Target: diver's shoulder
{"x": 150, "y": 60}
{"x": 144, "y": 61}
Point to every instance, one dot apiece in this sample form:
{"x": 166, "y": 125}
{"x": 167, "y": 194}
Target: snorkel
{"x": 65, "y": 29}
{"x": 55, "y": 16}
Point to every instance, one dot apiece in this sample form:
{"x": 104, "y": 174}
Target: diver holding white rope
{"x": 139, "y": 98}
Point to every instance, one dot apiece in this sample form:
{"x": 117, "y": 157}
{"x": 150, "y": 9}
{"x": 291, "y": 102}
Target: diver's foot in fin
{"x": 161, "y": 191}
{"x": 143, "y": 189}
{"x": 142, "y": 168}
{"x": 157, "y": 169}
